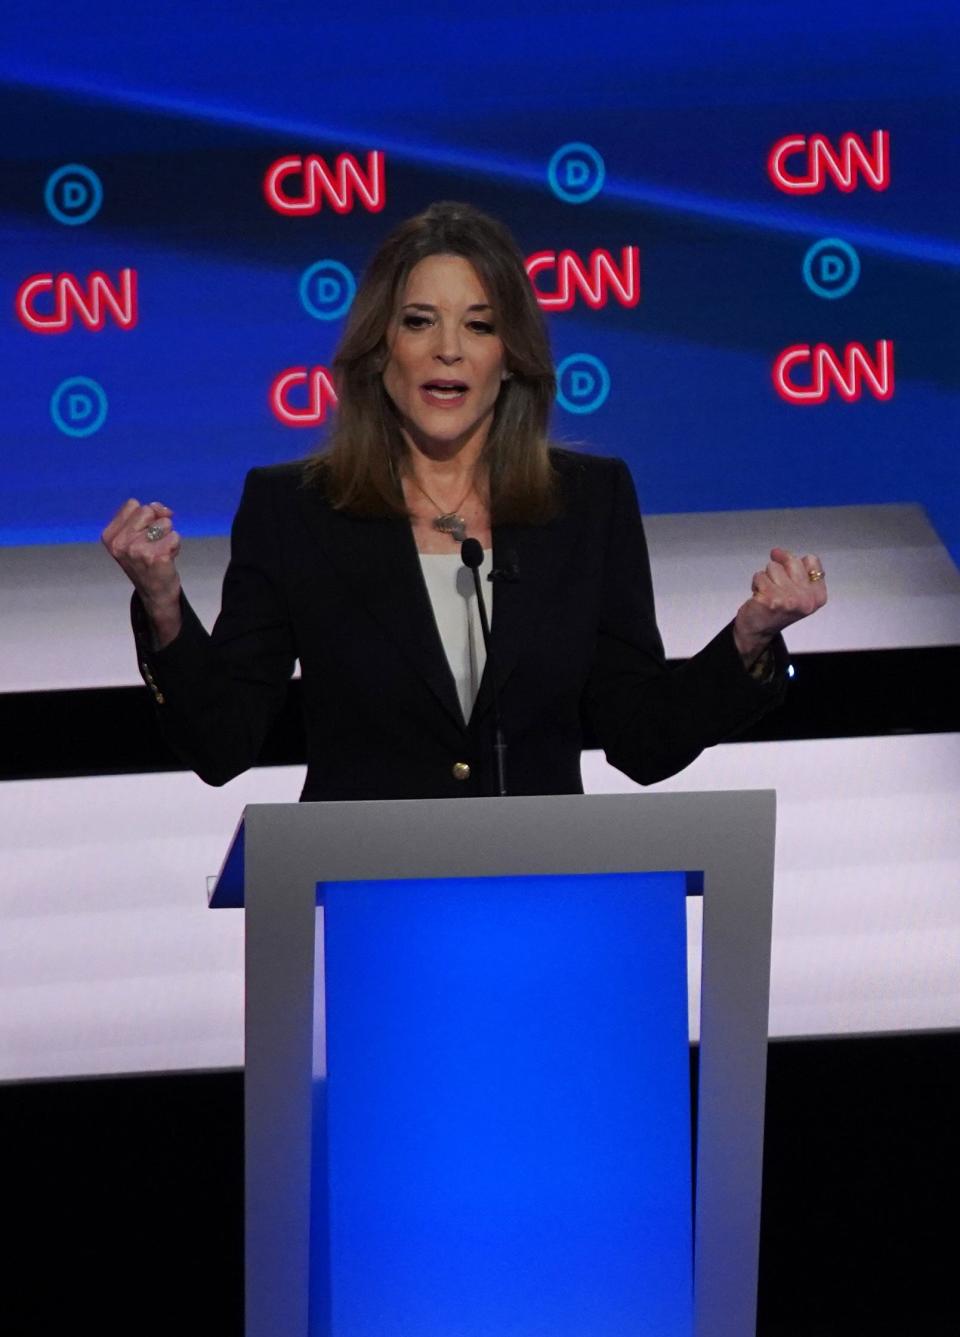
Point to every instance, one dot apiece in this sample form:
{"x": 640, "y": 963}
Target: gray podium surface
{"x": 281, "y": 852}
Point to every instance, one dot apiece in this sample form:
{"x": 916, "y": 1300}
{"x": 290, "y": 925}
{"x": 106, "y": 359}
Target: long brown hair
{"x": 361, "y": 466}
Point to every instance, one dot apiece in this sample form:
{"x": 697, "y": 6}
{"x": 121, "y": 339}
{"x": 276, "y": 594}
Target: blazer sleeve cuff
{"x": 751, "y": 693}
{"x": 182, "y": 658}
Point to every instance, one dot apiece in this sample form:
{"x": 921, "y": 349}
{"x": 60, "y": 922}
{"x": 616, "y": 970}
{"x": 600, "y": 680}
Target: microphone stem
{"x": 500, "y": 756}
{"x": 499, "y": 743}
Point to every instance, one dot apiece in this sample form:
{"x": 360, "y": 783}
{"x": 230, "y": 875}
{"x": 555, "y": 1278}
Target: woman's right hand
{"x": 150, "y": 563}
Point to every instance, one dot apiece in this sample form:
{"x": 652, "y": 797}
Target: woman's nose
{"x": 448, "y": 345}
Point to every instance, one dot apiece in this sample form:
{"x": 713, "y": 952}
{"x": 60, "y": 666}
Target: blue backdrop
{"x": 143, "y": 138}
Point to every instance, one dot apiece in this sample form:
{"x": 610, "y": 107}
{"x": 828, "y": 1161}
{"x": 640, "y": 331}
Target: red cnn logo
{"x": 314, "y": 182}
{"x": 90, "y": 301}
{"x": 848, "y": 373}
{"x": 596, "y": 280}
{"x": 818, "y": 159}
{"x": 320, "y": 396}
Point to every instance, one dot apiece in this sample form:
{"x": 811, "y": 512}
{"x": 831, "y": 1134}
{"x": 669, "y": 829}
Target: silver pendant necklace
{"x": 447, "y": 522}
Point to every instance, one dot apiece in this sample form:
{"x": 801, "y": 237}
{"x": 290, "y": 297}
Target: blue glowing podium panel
{"x": 503, "y": 1144}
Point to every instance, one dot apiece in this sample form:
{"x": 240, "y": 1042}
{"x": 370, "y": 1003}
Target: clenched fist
{"x": 790, "y": 588}
{"x": 145, "y": 544}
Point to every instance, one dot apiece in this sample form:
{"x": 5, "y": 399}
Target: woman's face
{"x": 446, "y": 360}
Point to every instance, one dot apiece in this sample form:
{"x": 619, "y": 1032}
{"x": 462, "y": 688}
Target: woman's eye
{"x": 414, "y": 320}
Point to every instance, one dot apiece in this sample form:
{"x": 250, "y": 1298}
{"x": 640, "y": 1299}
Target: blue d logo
{"x": 576, "y": 173}
{"x": 327, "y": 289}
{"x": 78, "y": 406}
{"x": 73, "y": 194}
{"x": 583, "y": 383}
{"x": 831, "y": 268}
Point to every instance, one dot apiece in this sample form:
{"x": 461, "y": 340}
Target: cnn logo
{"x": 302, "y": 396}
{"x": 50, "y": 303}
{"x": 296, "y": 185}
{"x": 802, "y": 164}
{"x": 596, "y": 280}
{"x": 809, "y": 374}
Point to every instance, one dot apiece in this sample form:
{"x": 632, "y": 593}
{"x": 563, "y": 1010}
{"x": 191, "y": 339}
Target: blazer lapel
{"x": 378, "y": 560}
{"x": 533, "y": 560}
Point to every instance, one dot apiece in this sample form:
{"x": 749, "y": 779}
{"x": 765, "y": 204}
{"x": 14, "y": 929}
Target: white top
{"x": 452, "y": 594}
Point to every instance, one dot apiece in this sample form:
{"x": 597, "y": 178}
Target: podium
{"x": 467, "y": 1068}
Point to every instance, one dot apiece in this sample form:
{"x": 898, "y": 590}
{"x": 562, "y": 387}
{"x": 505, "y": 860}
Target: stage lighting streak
{"x": 681, "y": 203}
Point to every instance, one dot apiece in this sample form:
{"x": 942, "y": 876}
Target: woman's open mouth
{"x": 444, "y": 392}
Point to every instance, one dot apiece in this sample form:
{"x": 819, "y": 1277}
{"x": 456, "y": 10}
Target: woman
{"x": 350, "y": 563}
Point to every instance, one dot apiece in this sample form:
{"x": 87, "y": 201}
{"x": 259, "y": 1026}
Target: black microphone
{"x": 471, "y": 555}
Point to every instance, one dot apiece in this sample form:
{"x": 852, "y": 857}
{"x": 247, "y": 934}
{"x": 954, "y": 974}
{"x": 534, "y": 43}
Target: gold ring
{"x": 814, "y": 576}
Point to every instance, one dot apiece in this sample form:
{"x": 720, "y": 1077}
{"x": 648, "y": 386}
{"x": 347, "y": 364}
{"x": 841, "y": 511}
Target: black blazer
{"x": 578, "y": 656}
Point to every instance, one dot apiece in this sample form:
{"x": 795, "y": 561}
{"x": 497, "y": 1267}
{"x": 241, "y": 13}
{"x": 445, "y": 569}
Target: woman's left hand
{"x": 790, "y": 588}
